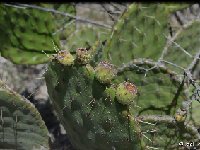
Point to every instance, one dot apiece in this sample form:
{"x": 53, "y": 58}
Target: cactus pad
{"x": 185, "y": 46}
{"x": 21, "y": 126}
{"x": 140, "y": 32}
{"x": 85, "y": 37}
{"x": 27, "y": 33}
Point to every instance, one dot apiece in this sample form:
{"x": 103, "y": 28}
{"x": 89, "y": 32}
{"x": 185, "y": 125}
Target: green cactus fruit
{"x": 83, "y": 55}
{"x": 64, "y": 57}
{"x": 126, "y": 92}
{"x": 21, "y": 126}
{"x": 105, "y": 72}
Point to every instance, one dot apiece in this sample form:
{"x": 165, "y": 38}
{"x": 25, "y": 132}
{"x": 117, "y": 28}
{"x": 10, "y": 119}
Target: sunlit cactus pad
{"x": 185, "y": 46}
{"x": 26, "y": 33}
{"x": 142, "y": 31}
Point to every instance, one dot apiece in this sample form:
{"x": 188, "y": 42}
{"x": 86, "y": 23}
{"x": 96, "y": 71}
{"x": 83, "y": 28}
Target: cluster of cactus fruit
{"x": 104, "y": 72}
{"x": 116, "y": 95}
{"x": 137, "y": 105}
{"x": 66, "y": 72}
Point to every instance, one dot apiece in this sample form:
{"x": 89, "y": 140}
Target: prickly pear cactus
{"x": 26, "y": 33}
{"x": 21, "y": 126}
{"x": 82, "y": 104}
{"x": 134, "y": 107}
{"x": 141, "y": 32}
{"x": 92, "y": 109}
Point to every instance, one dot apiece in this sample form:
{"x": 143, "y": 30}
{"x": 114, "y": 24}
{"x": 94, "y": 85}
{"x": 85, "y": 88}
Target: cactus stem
{"x": 142, "y": 61}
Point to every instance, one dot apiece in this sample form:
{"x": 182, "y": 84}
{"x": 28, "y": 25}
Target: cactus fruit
{"x": 64, "y": 57}
{"x": 105, "y": 72}
{"x": 21, "y": 126}
{"x": 83, "y": 55}
{"x": 126, "y": 92}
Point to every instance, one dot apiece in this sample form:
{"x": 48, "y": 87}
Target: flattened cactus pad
{"x": 105, "y": 72}
{"x": 26, "y": 33}
{"x": 126, "y": 92}
{"x": 21, "y": 126}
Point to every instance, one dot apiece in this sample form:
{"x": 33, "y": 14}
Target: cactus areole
{"x": 126, "y": 92}
{"x": 105, "y": 72}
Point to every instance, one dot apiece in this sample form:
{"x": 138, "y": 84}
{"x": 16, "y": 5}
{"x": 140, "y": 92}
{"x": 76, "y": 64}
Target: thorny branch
{"x": 170, "y": 120}
{"x": 195, "y": 96}
{"x": 135, "y": 63}
{"x": 24, "y": 6}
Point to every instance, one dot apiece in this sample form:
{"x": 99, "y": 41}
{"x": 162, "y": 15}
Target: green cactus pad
{"x": 185, "y": 46}
{"x": 86, "y": 37}
{"x": 65, "y": 25}
{"x": 21, "y": 126}
{"x": 159, "y": 93}
{"x": 27, "y": 33}
{"x": 157, "y": 89}
{"x": 81, "y": 103}
{"x": 140, "y": 32}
